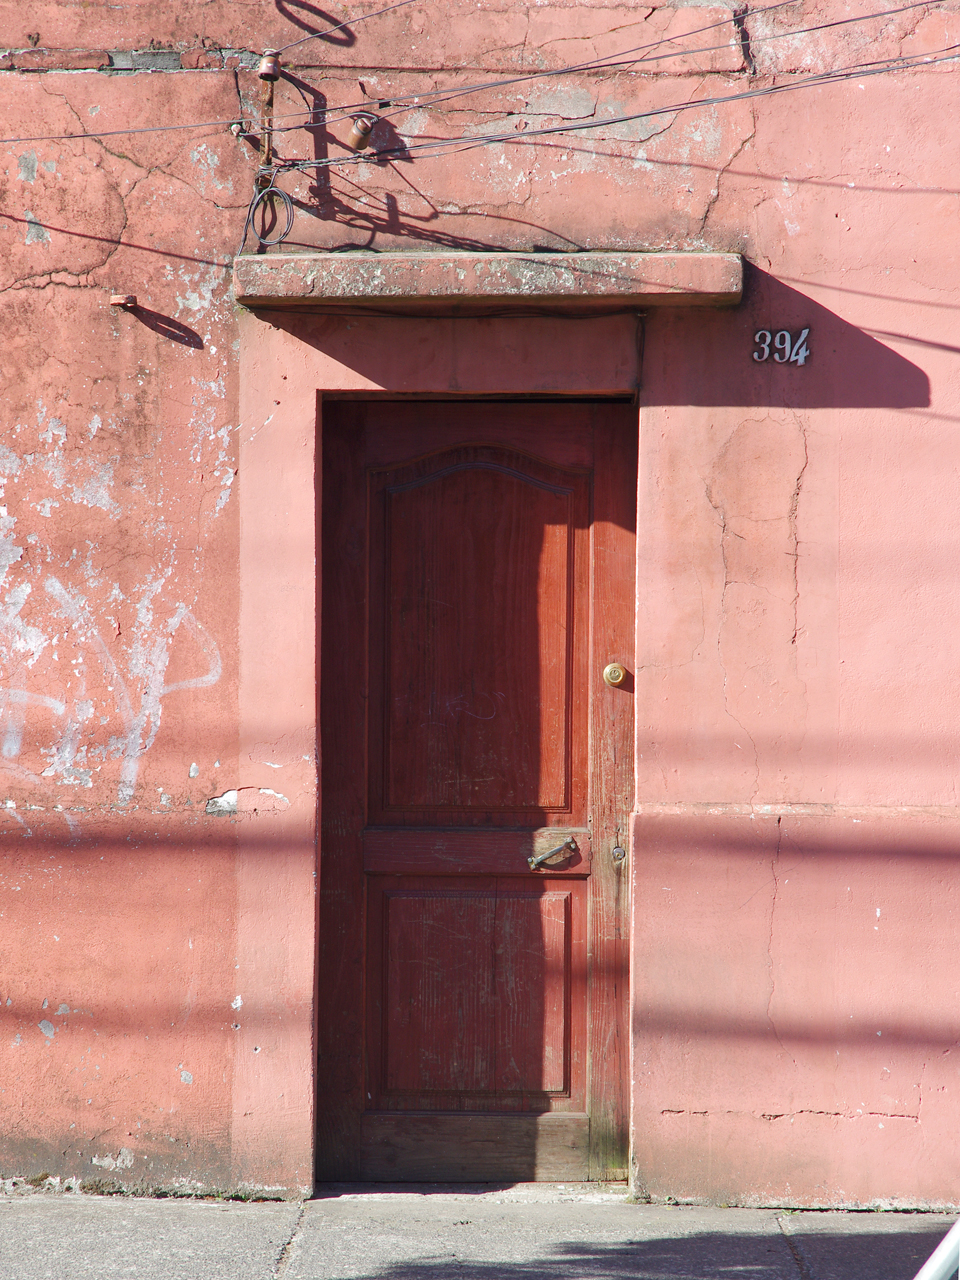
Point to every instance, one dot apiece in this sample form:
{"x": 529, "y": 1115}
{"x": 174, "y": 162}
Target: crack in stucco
{"x": 637, "y": 25}
{"x": 109, "y": 249}
{"x": 770, "y": 961}
{"x": 145, "y": 173}
{"x": 526, "y": 37}
{"x": 789, "y": 1115}
{"x": 754, "y": 488}
{"x": 53, "y": 93}
{"x": 740, "y": 15}
{"x": 795, "y": 553}
{"x": 722, "y": 173}
{"x": 45, "y": 280}
{"x": 723, "y": 618}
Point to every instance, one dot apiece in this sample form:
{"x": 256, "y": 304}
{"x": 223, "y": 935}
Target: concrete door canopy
{"x": 455, "y": 282}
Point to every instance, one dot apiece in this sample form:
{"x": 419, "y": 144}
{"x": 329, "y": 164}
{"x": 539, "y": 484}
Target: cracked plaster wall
{"x": 117, "y": 632}
{"x": 797, "y": 704}
{"x": 796, "y": 611}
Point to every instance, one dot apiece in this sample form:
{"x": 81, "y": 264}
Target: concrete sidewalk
{"x": 527, "y": 1232}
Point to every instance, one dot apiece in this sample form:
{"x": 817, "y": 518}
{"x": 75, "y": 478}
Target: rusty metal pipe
{"x": 269, "y": 73}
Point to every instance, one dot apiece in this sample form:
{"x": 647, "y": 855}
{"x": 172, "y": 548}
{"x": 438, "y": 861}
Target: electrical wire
{"x": 414, "y": 99}
{"x": 441, "y": 146}
{"x": 113, "y": 133}
{"x": 351, "y": 22}
{"x": 949, "y": 53}
{"x": 260, "y": 196}
{"x": 156, "y": 128}
{"x": 437, "y": 97}
{"x": 616, "y": 61}
{"x": 212, "y": 124}
{"x": 610, "y": 61}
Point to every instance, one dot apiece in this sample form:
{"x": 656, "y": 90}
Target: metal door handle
{"x": 537, "y": 860}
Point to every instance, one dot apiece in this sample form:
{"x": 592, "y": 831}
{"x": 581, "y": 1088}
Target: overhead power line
{"x": 609, "y": 61}
{"x": 413, "y": 98}
{"x": 618, "y": 60}
{"x": 113, "y": 133}
{"x": 442, "y": 146}
{"x": 437, "y": 97}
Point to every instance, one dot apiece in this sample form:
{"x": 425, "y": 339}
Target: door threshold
{"x": 501, "y": 1192}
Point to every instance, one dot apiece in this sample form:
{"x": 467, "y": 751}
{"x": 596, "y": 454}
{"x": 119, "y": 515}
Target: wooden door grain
{"x": 477, "y": 576}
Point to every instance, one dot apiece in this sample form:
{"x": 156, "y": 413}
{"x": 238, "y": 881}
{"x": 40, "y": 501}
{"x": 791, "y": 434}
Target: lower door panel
{"x": 425, "y": 1147}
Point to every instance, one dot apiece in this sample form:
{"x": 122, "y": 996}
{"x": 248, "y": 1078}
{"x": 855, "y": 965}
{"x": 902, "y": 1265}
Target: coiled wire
{"x": 260, "y": 197}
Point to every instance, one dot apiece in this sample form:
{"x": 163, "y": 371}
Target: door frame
{"x": 288, "y": 366}
{"x": 593, "y": 1142}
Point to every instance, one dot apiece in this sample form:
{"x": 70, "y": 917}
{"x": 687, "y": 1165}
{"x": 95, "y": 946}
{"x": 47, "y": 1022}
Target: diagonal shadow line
{"x": 866, "y": 293}
{"x": 111, "y": 240}
{"x": 906, "y": 337}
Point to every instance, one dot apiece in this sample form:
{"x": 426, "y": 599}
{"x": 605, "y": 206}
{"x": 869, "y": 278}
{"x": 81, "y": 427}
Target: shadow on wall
{"x": 693, "y": 356}
{"x": 711, "y": 357}
{"x": 168, "y": 327}
{"x": 316, "y": 22}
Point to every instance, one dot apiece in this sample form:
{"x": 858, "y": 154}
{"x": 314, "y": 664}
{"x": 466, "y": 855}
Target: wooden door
{"x": 477, "y": 578}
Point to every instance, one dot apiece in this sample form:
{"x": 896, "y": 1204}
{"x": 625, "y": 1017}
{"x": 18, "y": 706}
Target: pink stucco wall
{"x": 794, "y": 985}
{"x": 795, "y": 989}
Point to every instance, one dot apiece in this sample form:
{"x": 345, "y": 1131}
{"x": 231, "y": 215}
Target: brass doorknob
{"x": 614, "y": 674}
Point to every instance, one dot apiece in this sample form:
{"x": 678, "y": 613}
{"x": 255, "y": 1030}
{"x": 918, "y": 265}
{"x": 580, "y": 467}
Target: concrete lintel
{"x": 459, "y": 282}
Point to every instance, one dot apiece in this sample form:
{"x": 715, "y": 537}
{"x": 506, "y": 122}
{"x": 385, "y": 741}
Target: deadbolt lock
{"x": 614, "y": 674}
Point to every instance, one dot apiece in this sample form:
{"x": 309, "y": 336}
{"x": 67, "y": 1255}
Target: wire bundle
{"x": 269, "y": 193}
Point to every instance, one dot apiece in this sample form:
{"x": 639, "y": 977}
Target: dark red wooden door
{"x": 477, "y": 577}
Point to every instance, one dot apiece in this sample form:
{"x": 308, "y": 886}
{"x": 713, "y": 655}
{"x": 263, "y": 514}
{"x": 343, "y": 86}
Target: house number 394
{"x": 783, "y": 346}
